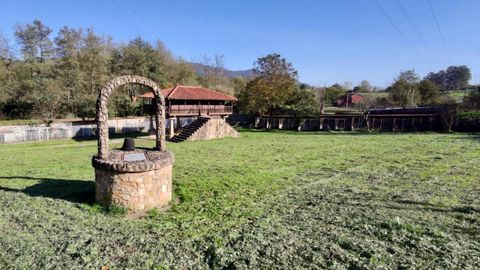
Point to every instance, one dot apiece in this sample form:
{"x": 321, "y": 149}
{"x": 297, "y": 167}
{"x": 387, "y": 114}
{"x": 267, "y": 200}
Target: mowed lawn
{"x": 266, "y": 200}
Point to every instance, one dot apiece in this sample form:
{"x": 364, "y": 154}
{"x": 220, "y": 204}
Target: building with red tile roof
{"x": 350, "y": 99}
{"x": 185, "y": 100}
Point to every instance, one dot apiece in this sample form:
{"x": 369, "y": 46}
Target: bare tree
{"x": 321, "y": 98}
{"x": 212, "y": 70}
{"x": 5, "y": 50}
{"x": 365, "y": 107}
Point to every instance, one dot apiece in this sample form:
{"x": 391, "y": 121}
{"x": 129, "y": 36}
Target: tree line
{"x": 264, "y": 95}
{"x": 60, "y": 77}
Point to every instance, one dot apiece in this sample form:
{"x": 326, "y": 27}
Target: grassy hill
{"x": 458, "y": 95}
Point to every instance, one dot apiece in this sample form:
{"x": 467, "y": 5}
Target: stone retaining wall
{"x": 215, "y": 128}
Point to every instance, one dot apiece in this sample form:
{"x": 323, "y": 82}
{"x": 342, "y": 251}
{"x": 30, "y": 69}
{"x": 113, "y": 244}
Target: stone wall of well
{"x": 139, "y": 191}
{"x": 215, "y": 128}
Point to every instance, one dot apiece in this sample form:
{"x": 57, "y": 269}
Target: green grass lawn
{"x": 266, "y": 200}
{"x": 374, "y": 95}
{"x": 458, "y": 95}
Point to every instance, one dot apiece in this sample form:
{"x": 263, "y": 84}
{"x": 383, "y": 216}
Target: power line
{"x": 439, "y": 29}
{"x": 420, "y": 36}
{"x": 401, "y": 33}
{"x": 135, "y": 18}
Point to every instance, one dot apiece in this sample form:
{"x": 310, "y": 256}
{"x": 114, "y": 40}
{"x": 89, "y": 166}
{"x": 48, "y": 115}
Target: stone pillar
{"x": 172, "y": 127}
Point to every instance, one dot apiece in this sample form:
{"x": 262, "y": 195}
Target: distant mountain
{"x": 248, "y": 73}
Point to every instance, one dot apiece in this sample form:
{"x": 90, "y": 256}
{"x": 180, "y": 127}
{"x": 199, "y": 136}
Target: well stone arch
{"x": 102, "y": 111}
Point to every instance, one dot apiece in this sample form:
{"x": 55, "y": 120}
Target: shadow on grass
{"x": 80, "y": 191}
{"x": 471, "y": 136}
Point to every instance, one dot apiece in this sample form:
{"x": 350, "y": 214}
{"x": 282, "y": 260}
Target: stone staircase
{"x": 190, "y": 129}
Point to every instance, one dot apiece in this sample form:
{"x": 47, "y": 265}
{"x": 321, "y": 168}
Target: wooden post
{"x": 394, "y": 124}
{"x": 381, "y": 123}
{"x": 321, "y": 123}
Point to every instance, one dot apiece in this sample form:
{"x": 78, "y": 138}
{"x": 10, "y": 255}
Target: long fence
{"x": 27, "y": 133}
{"x": 354, "y": 122}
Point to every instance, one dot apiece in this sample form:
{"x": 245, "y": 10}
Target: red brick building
{"x": 350, "y": 99}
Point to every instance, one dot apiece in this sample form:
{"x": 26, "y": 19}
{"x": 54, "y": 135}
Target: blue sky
{"x": 327, "y": 41}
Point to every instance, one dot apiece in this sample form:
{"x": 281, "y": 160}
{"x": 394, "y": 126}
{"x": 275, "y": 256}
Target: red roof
{"x": 350, "y": 99}
{"x": 182, "y": 92}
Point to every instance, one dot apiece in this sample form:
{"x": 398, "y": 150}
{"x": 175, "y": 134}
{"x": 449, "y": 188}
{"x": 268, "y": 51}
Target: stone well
{"x": 138, "y": 180}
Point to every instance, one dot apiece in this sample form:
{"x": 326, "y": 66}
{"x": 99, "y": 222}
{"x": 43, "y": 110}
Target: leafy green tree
{"x": 472, "y": 100}
{"x": 48, "y": 106}
{"x": 409, "y": 76}
{"x": 333, "y": 93}
{"x": 273, "y": 85}
{"x": 453, "y": 78}
{"x": 5, "y": 71}
{"x": 403, "y": 91}
{"x": 438, "y": 78}
{"x": 36, "y": 76}
{"x": 428, "y": 92}
{"x": 458, "y": 77}
{"x": 239, "y": 85}
{"x": 139, "y": 57}
{"x": 86, "y": 107}
{"x": 400, "y": 93}
{"x": 303, "y": 102}
{"x": 364, "y": 87}
{"x": 176, "y": 71}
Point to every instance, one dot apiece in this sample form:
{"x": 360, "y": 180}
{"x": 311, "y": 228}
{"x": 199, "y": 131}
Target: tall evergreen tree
{"x": 94, "y": 61}
{"x": 35, "y": 41}
{"x": 67, "y": 66}
{"x": 39, "y": 93}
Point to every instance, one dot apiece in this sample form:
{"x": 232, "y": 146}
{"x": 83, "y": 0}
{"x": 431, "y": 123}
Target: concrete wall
{"x": 26, "y": 133}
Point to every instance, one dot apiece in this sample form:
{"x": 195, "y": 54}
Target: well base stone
{"x": 135, "y": 190}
